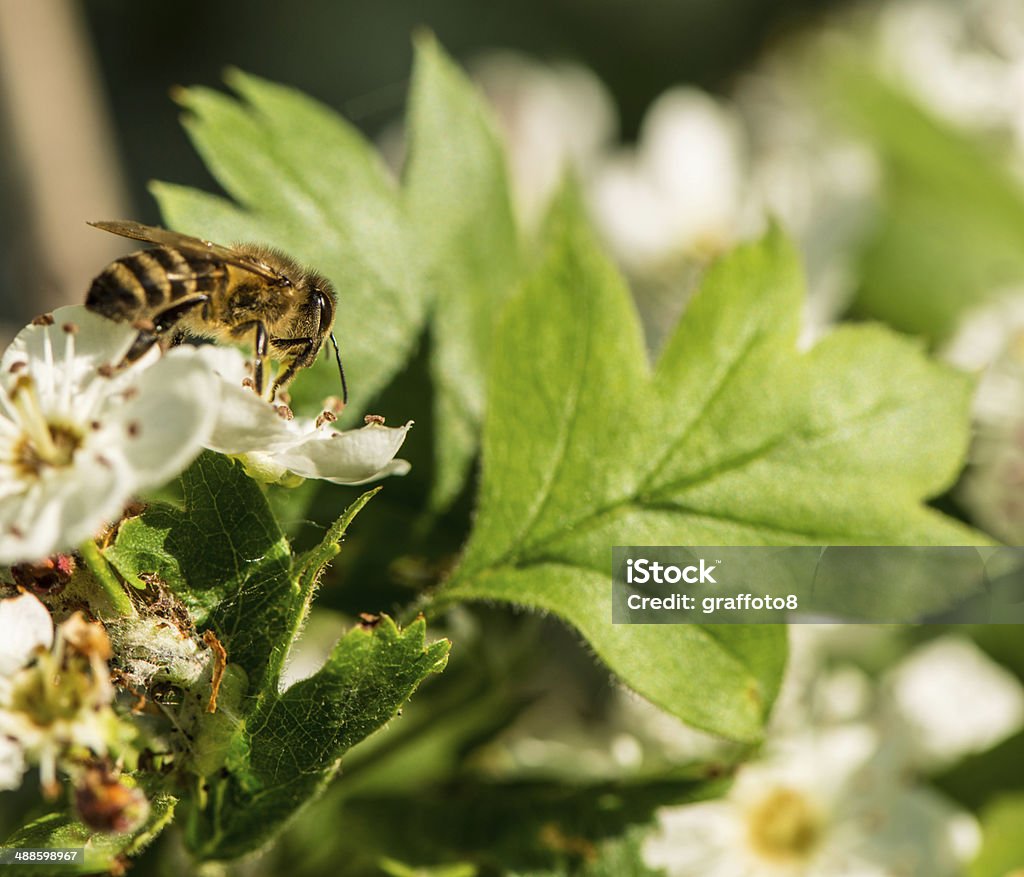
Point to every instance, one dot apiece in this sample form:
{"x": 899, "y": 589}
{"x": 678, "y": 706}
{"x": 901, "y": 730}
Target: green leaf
{"x": 296, "y": 739}
{"x": 307, "y": 182}
{"x": 1002, "y": 851}
{"x": 265, "y": 753}
{"x": 457, "y": 192}
{"x": 102, "y": 851}
{"x": 734, "y": 438}
{"x": 939, "y": 186}
{"x": 224, "y": 556}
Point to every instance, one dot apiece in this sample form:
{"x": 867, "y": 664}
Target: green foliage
{"x": 734, "y": 438}
{"x": 459, "y": 204}
{"x": 1002, "y": 852}
{"x": 527, "y": 828}
{"x": 265, "y": 752}
{"x": 224, "y": 556}
{"x": 294, "y": 741}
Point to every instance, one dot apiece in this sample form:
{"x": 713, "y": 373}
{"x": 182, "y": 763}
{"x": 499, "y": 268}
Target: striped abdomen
{"x": 145, "y": 283}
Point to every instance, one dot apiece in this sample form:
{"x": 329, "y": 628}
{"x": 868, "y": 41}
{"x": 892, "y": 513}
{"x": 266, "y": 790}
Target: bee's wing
{"x": 152, "y": 234}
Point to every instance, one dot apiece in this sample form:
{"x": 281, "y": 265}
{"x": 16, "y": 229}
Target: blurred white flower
{"x": 990, "y": 343}
{"x": 77, "y": 440}
{"x": 951, "y": 700}
{"x": 680, "y": 191}
{"x": 25, "y": 629}
{"x": 821, "y": 184}
{"x": 964, "y": 59}
{"x": 816, "y": 806}
{"x": 275, "y": 447}
{"x": 55, "y": 705}
{"x": 555, "y": 119}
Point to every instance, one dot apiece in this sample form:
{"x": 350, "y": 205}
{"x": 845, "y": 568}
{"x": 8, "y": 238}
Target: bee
{"x": 185, "y": 286}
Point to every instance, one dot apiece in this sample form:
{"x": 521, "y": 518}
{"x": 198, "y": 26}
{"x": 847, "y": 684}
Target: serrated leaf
{"x": 306, "y": 182}
{"x": 101, "y": 851}
{"x": 733, "y": 438}
{"x": 457, "y": 192}
{"x": 297, "y": 738}
{"x": 224, "y": 556}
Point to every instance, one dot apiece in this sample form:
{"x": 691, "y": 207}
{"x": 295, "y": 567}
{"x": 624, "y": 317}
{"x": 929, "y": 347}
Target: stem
{"x": 100, "y": 570}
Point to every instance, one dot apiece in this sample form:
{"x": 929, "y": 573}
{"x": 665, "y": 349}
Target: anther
{"x": 285, "y": 413}
{"x": 16, "y": 531}
{"x": 144, "y": 325}
{"x": 248, "y": 383}
{"x": 325, "y": 417}
{"x": 18, "y": 366}
{"x": 43, "y": 320}
{"x": 69, "y": 328}
{"x": 106, "y": 370}
{"x": 95, "y": 426}
{"x": 373, "y": 419}
{"x": 335, "y": 404}
{"x": 104, "y": 462}
{"x": 134, "y": 428}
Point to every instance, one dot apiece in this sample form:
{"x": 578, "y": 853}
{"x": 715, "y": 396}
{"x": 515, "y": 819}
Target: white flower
{"x": 964, "y": 59}
{"x": 77, "y": 440}
{"x": 952, "y": 701}
{"x": 554, "y": 118}
{"x": 54, "y": 705}
{"x": 990, "y": 342}
{"x": 680, "y": 191}
{"x": 820, "y": 806}
{"x": 274, "y": 447}
{"x": 25, "y": 628}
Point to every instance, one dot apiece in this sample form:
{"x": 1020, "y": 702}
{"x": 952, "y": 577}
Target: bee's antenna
{"x": 341, "y": 370}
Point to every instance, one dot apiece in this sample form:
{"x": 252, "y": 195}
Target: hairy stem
{"x": 101, "y": 571}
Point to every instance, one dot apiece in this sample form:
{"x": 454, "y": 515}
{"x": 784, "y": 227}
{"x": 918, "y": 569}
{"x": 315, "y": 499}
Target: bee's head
{"x": 323, "y": 298}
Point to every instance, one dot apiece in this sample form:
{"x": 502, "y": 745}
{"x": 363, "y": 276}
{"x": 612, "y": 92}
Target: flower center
{"x": 56, "y": 449}
{"x": 784, "y": 825}
{"x": 46, "y": 694}
{"x": 42, "y": 443}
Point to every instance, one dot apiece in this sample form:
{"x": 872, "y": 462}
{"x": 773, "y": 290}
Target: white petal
{"x": 162, "y": 429}
{"x": 245, "y": 423}
{"x": 97, "y": 342}
{"x": 350, "y": 457}
{"x": 696, "y": 840}
{"x": 955, "y": 700}
{"x": 25, "y": 625}
{"x": 12, "y": 764}
{"x": 64, "y": 507}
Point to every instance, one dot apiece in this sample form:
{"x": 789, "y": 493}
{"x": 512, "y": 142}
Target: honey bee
{"x": 185, "y": 286}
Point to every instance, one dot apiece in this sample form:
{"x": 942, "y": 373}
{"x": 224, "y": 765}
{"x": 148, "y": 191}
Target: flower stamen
{"x": 37, "y": 431}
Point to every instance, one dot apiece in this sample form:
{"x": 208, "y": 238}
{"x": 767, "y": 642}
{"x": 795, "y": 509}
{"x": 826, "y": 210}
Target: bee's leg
{"x": 166, "y": 319}
{"x": 304, "y": 347}
{"x": 160, "y": 324}
{"x": 259, "y": 349}
{"x": 140, "y": 347}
